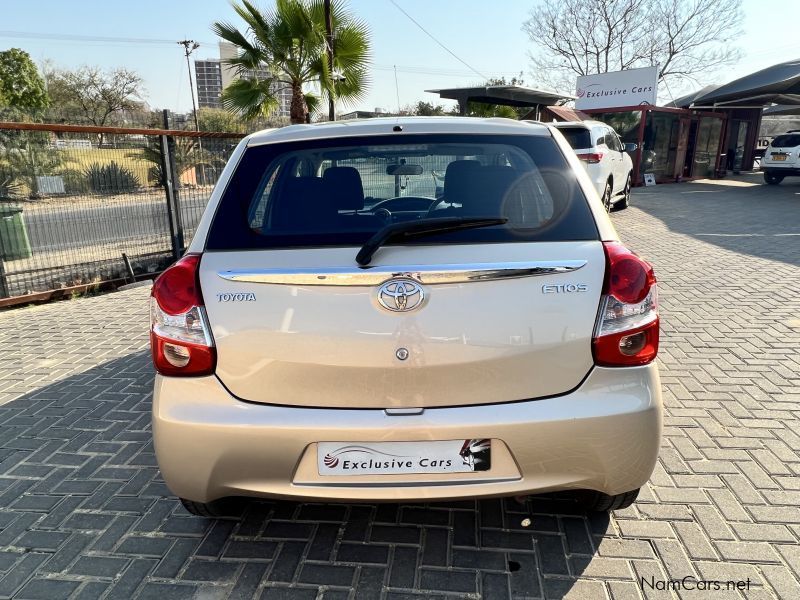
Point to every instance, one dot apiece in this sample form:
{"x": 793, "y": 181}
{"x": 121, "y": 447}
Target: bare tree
{"x": 95, "y": 94}
{"x": 684, "y": 38}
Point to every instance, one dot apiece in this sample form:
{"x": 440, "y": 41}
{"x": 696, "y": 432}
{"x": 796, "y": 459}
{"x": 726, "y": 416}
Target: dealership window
{"x": 672, "y": 142}
{"x": 706, "y": 147}
{"x": 660, "y": 144}
{"x": 626, "y": 124}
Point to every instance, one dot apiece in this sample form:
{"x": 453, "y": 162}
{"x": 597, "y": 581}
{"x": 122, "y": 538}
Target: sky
{"x": 486, "y": 36}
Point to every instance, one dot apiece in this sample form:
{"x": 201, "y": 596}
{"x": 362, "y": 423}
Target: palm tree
{"x": 186, "y": 153}
{"x": 289, "y": 42}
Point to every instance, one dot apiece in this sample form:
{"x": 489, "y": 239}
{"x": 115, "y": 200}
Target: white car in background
{"x": 605, "y": 158}
{"x": 782, "y": 157}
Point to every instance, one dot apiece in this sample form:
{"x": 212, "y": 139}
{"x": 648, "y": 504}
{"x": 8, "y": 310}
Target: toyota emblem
{"x": 400, "y": 295}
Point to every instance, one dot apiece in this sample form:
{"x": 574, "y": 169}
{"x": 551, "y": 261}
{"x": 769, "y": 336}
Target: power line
{"x": 430, "y": 35}
{"x": 67, "y": 37}
{"x": 420, "y": 70}
{"x": 433, "y": 70}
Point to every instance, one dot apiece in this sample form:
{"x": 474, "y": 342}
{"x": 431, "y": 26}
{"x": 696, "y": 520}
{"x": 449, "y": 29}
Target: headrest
{"x": 303, "y": 203}
{"x": 457, "y": 171}
{"x": 487, "y": 189}
{"x": 344, "y": 187}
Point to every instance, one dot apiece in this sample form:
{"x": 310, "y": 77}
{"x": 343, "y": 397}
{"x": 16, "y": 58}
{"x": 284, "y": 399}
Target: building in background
{"x": 212, "y": 75}
{"x": 208, "y": 80}
{"x": 366, "y": 114}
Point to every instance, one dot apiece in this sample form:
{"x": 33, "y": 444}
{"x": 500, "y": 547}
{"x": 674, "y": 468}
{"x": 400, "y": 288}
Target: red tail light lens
{"x": 177, "y": 289}
{"x": 591, "y": 157}
{"x": 180, "y": 338}
{"x": 628, "y": 277}
{"x": 627, "y": 332}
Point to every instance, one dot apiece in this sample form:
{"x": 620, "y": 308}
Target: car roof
{"x": 585, "y": 124}
{"x": 387, "y": 125}
{"x": 792, "y": 132}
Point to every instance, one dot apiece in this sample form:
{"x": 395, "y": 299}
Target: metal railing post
{"x": 166, "y": 175}
{"x": 4, "y": 293}
{"x": 167, "y": 145}
{"x": 176, "y": 185}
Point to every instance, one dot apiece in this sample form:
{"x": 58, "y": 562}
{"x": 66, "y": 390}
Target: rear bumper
{"x": 778, "y": 170}
{"x": 603, "y": 436}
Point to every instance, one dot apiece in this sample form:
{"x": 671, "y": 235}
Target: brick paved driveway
{"x": 84, "y": 514}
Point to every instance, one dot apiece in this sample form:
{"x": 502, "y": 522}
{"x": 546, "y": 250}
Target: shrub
{"x": 111, "y": 178}
{"x": 9, "y": 187}
{"x": 75, "y": 181}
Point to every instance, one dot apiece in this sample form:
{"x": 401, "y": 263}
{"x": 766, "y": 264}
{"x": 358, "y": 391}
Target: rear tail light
{"x": 591, "y": 157}
{"x": 180, "y": 338}
{"x": 626, "y": 332}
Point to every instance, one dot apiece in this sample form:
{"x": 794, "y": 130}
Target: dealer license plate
{"x": 396, "y": 458}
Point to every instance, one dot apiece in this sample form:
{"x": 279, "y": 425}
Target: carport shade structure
{"x": 504, "y": 95}
{"x": 782, "y": 109}
{"x": 778, "y": 84}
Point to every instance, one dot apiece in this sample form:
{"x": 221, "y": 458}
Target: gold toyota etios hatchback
{"x": 405, "y": 309}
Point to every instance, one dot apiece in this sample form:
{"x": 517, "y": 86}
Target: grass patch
{"x": 83, "y": 158}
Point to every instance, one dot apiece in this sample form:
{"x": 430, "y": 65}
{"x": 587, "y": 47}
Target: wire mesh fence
{"x": 76, "y": 201}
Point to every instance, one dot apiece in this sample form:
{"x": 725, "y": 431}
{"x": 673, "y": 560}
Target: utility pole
{"x": 329, "y": 44}
{"x": 190, "y": 46}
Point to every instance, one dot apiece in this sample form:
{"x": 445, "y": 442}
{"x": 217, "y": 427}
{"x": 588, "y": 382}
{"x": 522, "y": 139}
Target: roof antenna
{"x": 397, "y": 90}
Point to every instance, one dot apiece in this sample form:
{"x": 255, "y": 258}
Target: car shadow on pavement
{"x": 742, "y": 215}
{"x": 83, "y": 510}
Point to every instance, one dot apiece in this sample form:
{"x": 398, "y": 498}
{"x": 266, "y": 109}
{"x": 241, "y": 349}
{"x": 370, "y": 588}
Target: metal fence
{"x": 83, "y": 206}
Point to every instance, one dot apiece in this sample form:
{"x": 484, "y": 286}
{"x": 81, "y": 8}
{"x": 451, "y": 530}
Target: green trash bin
{"x": 14, "y": 242}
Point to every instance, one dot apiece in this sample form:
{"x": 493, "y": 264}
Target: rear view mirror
{"x": 404, "y": 169}
{"x": 631, "y": 147}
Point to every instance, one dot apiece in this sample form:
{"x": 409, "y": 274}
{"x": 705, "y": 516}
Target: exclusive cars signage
{"x": 393, "y": 458}
{"x": 617, "y": 88}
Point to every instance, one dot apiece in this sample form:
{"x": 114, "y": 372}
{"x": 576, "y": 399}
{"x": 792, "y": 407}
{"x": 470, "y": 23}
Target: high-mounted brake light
{"x": 626, "y": 332}
{"x": 180, "y": 338}
{"x": 591, "y": 157}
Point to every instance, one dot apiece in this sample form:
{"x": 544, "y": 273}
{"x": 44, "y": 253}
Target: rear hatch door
{"x": 473, "y": 341}
{"x": 487, "y": 315}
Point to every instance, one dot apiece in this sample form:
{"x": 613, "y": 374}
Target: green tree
{"x": 479, "y": 109}
{"x": 427, "y": 109}
{"x": 218, "y": 119}
{"x": 289, "y": 44}
{"x": 29, "y": 155}
{"x": 21, "y": 86}
{"x": 187, "y": 153}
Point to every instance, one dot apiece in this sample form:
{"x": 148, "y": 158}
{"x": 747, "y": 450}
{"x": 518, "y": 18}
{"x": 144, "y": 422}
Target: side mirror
{"x": 404, "y": 169}
{"x": 631, "y": 147}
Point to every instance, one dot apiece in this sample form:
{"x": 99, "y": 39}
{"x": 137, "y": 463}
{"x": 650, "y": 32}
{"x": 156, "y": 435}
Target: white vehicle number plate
{"x": 397, "y": 458}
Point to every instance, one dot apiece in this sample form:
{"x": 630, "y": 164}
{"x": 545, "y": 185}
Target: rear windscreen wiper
{"x": 422, "y": 227}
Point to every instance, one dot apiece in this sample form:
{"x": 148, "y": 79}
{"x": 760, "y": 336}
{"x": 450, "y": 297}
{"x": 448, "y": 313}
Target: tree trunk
{"x": 329, "y": 44}
{"x": 298, "y": 113}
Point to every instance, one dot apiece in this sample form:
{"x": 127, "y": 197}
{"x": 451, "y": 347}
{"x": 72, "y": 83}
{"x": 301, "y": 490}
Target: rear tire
{"x": 624, "y": 202}
{"x": 218, "y": 509}
{"x": 592, "y": 501}
{"x": 772, "y": 178}
{"x": 606, "y": 198}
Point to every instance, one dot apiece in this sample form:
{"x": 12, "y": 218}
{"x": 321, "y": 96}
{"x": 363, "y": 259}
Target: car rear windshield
{"x": 578, "y": 137}
{"x": 789, "y": 140}
{"x": 340, "y": 192}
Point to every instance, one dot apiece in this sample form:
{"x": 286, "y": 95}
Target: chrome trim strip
{"x": 409, "y": 484}
{"x": 429, "y": 274}
{"x": 394, "y": 412}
